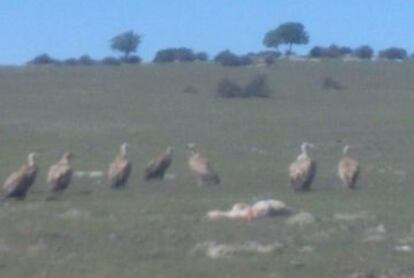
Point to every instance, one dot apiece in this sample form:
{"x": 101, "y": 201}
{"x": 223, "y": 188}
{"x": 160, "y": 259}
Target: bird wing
{"x": 299, "y": 169}
{"x": 13, "y": 181}
{"x": 200, "y": 165}
{"x": 59, "y": 172}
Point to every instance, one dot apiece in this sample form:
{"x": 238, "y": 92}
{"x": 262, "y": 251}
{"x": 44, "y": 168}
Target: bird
{"x": 60, "y": 173}
{"x": 18, "y": 183}
{"x": 201, "y": 168}
{"x": 303, "y": 170}
{"x": 120, "y": 169}
{"x": 348, "y": 169}
{"x": 157, "y": 167}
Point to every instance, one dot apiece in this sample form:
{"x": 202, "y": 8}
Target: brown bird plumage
{"x": 157, "y": 168}
{"x": 120, "y": 169}
{"x": 18, "y": 183}
{"x": 201, "y": 168}
{"x": 348, "y": 169}
{"x": 60, "y": 173}
{"x": 303, "y": 170}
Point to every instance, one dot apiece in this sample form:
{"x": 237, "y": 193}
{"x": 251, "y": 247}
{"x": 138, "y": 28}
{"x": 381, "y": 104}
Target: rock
{"x": 403, "y": 248}
{"x": 301, "y": 219}
{"x": 375, "y": 234}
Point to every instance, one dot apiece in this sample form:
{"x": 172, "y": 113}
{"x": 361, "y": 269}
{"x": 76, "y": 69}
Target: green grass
{"x": 150, "y": 229}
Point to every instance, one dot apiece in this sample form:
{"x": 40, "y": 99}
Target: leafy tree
{"x": 126, "y": 42}
{"x": 289, "y": 33}
{"x": 364, "y": 52}
{"x": 393, "y": 53}
{"x": 227, "y": 58}
{"x": 43, "y": 59}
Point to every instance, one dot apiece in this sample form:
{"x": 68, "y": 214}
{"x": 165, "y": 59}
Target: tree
{"x": 393, "y": 53}
{"x": 364, "y": 52}
{"x": 289, "y": 33}
{"x": 126, "y": 42}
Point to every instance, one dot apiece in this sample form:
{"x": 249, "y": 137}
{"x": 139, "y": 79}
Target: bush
{"x": 70, "y": 62}
{"x": 181, "y": 54}
{"x": 333, "y": 51}
{"x": 86, "y": 60}
{"x": 258, "y": 87}
{"x": 364, "y": 52}
{"x": 190, "y": 90}
{"x": 110, "y": 61}
{"x": 43, "y": 59}
{"x": 269, "y": 57}
{"x": 227, "y": 58}
{"x": 201, "y": 56}
{"x": 133, "y": 59}
{"x": 229, "y": 89}
{"x": 330, "y": 83}
{"x": 393, "y": 53}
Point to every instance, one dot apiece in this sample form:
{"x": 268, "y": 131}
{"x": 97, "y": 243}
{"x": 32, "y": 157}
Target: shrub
{"x": 86, "y": 60}
{"x": 268, "y": 57}
{"x": 181, "y": 54}
{"x": 228, "y": 89}
{"x": 110, "y": 61}
{"x": 70, "y": 62}
{"x": 330, "y": 83}
{"x": 190, "y": 90}
{"x": 132, "y": 59}
{"x": 164, "y": 56}
{"x": 227, "y": 58}
{"x": 258, "y": 87}
{"x": 201, "y": 56}
{"x": 393, "y": 53}
{"x": 363, "y": 52}
{"x": 333, "y": 51}
{"x": 345, "y": 50}
{"x": 43, "y": 59}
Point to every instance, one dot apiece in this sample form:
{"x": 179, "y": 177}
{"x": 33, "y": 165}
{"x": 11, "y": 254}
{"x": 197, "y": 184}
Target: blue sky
{"x": 68, "y": 28}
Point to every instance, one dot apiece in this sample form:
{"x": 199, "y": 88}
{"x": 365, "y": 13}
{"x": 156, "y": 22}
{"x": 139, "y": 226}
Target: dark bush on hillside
{"x": 181, "y": 54}
{"x": 364, "y": 52}
{"x": 333, "y": 51}
{"x": 258, "y": 87}
{"x": 393, "y": 53}
{"x": 229, "y": 89}
{"x": 345, "y": 50}
{"x": 331, "y": 84}
{"x": 110, "y": 61}
{"x": 201, "y": 56}
{"x": 43, "y": 59}
{"x": 245, "y": 60}
{"x": 227, "y": 58}
{"x": 267, "y": 57}
{"x": 190, "y": 90}
{"x": 85, "y": 60}
{"x": 132, "y": 59}
{"x": 70, "y": 62}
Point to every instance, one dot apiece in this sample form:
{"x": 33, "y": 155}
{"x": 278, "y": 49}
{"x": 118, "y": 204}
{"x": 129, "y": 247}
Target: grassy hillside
{"x": 151, "y": 229}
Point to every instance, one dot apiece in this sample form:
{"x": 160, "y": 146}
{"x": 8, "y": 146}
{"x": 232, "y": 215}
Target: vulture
{"x": 157, "y": 168}
{"x": 201, "y": 168}
{"x": 303, "y": 170}
{"x": 348, "y": 169}
{"x": 120, "y": 169}
{"x": 60, "y": 173}
{"x": 18, "y": 183}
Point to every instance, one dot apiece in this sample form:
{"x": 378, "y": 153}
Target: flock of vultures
{"x": 301, "y": 172}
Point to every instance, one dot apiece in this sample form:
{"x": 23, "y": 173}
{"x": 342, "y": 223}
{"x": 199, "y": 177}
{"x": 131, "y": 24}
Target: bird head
{"x": 31, "y": 158}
